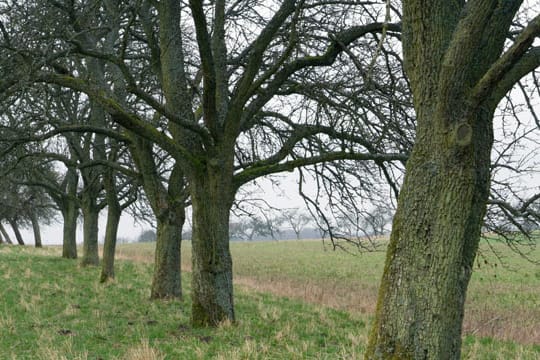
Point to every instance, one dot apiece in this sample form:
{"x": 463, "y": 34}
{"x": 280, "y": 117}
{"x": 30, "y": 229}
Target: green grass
{"x": 53, "y": 309}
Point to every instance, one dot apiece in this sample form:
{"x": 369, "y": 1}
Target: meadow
{"x": 294, "y": 300}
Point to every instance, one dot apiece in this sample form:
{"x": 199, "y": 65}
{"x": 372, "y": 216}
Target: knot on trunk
{"x": 462, "y": 135}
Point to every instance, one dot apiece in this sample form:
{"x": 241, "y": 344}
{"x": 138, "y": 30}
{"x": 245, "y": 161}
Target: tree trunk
{"x": 433, "y": 244}
{"x": 69, "y": 242}
{"x": 452, "y": 55}
{"x": 5, "y": 234}
{"x": 168, "y": 207}
{"x": 15, "y": 228}
{"x": 36, "y": 229}
{"x": 212, "y": 289}
{"x": 109, "y": 247}
{"x": 90, "y": 231}
{"x": 167, "y": 282}
{"x": 111, "y": 233}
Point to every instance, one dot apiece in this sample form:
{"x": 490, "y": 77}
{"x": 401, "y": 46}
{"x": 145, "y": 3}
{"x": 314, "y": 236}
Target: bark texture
{"x": 449, "y": 48}
{"x": 70, "y": 213}
{"x": 212, "y": 288}
{"x": 16, "y": 231}
{"x": 90, "y": 230}
{"x": 5, "y": 235}
{"x": 167, "y": 282}
{"x": 36, "y": 229}
{"x": 168, "y": 207}
{"x": 114, "y": 211}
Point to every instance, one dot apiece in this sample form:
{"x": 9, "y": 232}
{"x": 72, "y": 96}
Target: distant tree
{"x": 23, "y": 206}
{"x": 250, "y": 227}
{"x": 147, "y": 236}
{"x": 296, "y": 220}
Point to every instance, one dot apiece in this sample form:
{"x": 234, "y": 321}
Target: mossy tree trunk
{"x": 167, "y": 280}
{"x": 450, "y": 49}
{"x": 36, "y": 229}
{"x": 212, "y": 286}
{"x": 16, "y": 231}
{"x": 90, "y": 212}
{"x": 70, "y": 214}
{"x": 114, "y": 211}
{"x": 5, "y": 234}
{"x": 168, "y": 205}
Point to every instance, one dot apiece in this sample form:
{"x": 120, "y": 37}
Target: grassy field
{"x": 294, "y": 300}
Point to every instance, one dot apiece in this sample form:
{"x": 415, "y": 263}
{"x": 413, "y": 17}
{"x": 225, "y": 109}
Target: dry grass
{"x": 330, "y": 294}
{"x": 143, "y": 352}
{"x": 483, "y": 317}
{"x": 519, "y": 325}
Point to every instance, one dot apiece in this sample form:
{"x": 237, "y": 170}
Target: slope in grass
{"x": 52, "y": 309}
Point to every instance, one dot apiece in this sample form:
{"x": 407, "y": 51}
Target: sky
{"x": 283, "y": 197}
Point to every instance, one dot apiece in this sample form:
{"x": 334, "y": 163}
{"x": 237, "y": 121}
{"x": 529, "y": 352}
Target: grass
{"x": 294, "y": 300}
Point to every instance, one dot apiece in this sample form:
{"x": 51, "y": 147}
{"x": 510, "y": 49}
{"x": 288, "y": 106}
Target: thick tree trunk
{"x": 114, "y": 211}
{"x": 168, "y": 207}
{"x": 69, "y": 206}
{"x": 212, "y": 289}
{"x": 90, "y": 231}
{"x": 450, "y": 52}
{"x": 69, "y": 242}
{"x": 109, "y": 247}
{"x": 16, "y": 231}
{"x": 433, "y": 244}
{"x": 5, "y": 234}
{"x": 36, "y": 230}
{"x": 167, "y": 281}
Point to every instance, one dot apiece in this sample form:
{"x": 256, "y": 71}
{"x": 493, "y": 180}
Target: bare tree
{"x": 462, "y": 58}
{"x": 296, "y": 220}
{"x": 216, "y": 85}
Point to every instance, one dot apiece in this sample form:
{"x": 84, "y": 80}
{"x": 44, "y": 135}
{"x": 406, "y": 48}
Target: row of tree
{"x": 187, "y": 104}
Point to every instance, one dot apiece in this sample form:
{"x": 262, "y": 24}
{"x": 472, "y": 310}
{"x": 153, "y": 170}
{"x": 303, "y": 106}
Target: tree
{"x": 22, "y": 205}
{"x": 462, "y": 58}
{"x": 252, "y": 226}
{"x": 5, "y": 234}
{"x": 297, "y": 220}
{"x": 147, "y": 236}
{"x": 228, "y": 113}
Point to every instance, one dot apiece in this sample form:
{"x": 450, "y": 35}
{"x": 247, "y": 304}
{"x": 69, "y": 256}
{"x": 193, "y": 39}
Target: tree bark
{"x": 433, "y": 244}
{"x": 15, "y": 228}
{"x": 36, "y": 229}
{"x": 212, "y": 288}
{"x": 114, "y": 212}
{"x": 168, "y": 207}
{"x": 90, "y": 230}
{"x": 5, "y": 234}
{"x": 167, "y": 282}
{"x": 70, "y": 212}
{"x": 69, "y": 242}
{"x": 448, "y": 49}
